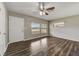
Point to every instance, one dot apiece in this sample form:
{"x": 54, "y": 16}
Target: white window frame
{"x": 46, "y": 28}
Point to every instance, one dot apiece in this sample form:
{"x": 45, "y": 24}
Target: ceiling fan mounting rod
{"x": 41, "y": 6}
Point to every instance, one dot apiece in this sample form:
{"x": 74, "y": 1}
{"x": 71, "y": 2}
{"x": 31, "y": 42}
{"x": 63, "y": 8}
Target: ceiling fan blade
{"x": 46, "y": 13}
{"x": 51, "y": 8}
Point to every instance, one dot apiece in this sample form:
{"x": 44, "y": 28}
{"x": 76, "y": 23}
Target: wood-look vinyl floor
{"x": 46, "y": 46}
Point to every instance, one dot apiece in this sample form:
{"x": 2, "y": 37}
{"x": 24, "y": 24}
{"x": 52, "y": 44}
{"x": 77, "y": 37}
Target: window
{"x": 43, "y": 28}
{"x": 38, "y": 28}
{"x": 35, "y": 28}
{"x": 59, "y": 24}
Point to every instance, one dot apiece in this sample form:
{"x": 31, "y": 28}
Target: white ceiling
{"x": 62, "y": 9}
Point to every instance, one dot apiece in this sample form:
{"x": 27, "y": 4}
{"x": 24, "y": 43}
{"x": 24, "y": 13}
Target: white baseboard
{"x": 28, "y": 39}
{"x": 35, "y": 37}
{"x": 77, "y": 40}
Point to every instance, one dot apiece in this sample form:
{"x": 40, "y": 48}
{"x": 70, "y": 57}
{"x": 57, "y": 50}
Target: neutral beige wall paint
{"x": 69, "y": 31}
{"x": 27, "y": 24}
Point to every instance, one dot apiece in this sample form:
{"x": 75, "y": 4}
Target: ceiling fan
{"x": 43, "y": 10}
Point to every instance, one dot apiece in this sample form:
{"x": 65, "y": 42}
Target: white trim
{"x": 30, "y": 38}
{"x": 5, "y": 49}
{"x": 77, "y": 40}
{"x": 35, "y": 37}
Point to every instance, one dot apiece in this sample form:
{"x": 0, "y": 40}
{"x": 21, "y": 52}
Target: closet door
{"x": 16, "y": 29}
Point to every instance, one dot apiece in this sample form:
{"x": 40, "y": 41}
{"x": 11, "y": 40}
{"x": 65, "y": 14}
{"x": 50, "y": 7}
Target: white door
{"x": 16, "y": 29}
{"x": 3, "y": 31}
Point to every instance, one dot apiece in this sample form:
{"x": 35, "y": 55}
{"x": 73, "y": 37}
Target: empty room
{"x": 39, "y": 28}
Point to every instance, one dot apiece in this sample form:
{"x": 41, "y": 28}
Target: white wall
{"x": 3, "y": 29}
{"x": 69, "y": 31}
{"x": 27, "y": 25}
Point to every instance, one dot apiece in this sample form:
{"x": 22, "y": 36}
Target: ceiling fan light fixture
{"x": 42, "y": 13}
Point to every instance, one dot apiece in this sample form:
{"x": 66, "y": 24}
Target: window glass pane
{"x": 43, "y": 25}
{"x": 43, "y": 28}
{"x": 59, "y": 24}
{"x": 35, "y": 28}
